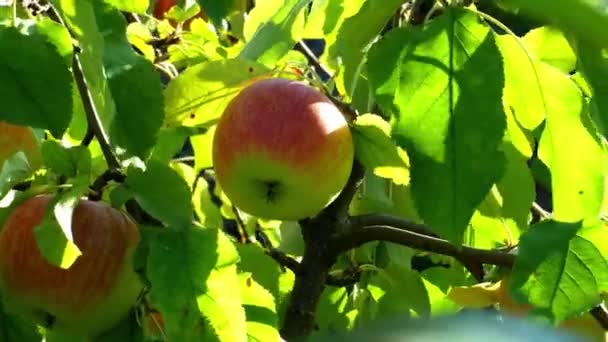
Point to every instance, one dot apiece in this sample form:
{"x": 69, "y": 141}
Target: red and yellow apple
{"x": 92, "y": 295}
{"x": 282, "y": 150}
{"x": 15, "y": 138}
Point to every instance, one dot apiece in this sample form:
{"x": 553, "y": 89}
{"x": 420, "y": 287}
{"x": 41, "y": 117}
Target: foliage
{"x": 480, "y": 143}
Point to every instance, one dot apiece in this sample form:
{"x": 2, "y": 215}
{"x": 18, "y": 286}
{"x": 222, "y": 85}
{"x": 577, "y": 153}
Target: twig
{"x": 93, "y": 120}
{"x": 284, "y": 259}
{"x": 103, "y": 180}
{"x": 358, "y": 222}
{"x": 601, "y": 315}
{"x": 541, "y": 211}
{"x": 319, "y": 256}
{"x": 405, "y": 237}
{"x": 312, "y": 59}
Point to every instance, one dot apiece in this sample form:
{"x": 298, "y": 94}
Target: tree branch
{"x": 312, "y": 59}
{"x": 601, "y": 315}
{"x": 93, "y": 120}
{"x": 405, "y": 236}
{"x": 319, "y": 256}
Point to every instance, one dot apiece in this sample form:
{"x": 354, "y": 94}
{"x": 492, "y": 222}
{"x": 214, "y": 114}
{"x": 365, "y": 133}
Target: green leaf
{"x": 356, "y": 35}
{"x": 580, "y": 17}
{"x": 376, "y": 150}
{"x": 16, "y": 328}
{"x": 67, "y": 161}
{"x": 593, "y": 64}
{"x": 35, "y": 85}
{"x": 259, "y": 14}
{"x": 203, "y": 293}
{"x": 523, "y": 93}
{"x": 135, "y": 6}
{"x": 80, "y": 18}
{"x": 216, "y": 10}
{"x": 396, "y": 280}
{"x": 444, "y": 85}
{"x": 336, "y": 13}
{"x": 199, "y": 95}
{"x": 333, "y": 310}
{"x": 139, "y": 114}
{"x": 259, "y": 305}
{"x": 15, "y": 169}
{"x": 576, "y": 163}
{"x": 272, "y": 277}
{"x": 206, "y": 210}
{"x": 203, "y": 146}
{"x": 548, "y": 44}
{"x": 58, "y": 35}
{"x": 54, "y": 234}
{"x": 277, "y": 36}
{"x": 162, "y": 193}
{"x": 559, "y": 271}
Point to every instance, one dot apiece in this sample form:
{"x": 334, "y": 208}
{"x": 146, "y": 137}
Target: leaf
{"x": 15, "y": 169}
{"x": 589, "y": 23}
{"x": 576, "y": 163}
{"x": 162, "y": 193}
{"x": 355, "y": 36}
{"x": 199, "y": 95}
{"x": 204, "y": 293}
{"x": 396, "y": 280}
{"x": 16, "y": 328}
{"x": 259, "y": 14}
{"x": 558, "y": 270}
{"x": 523, "y": 93}
{"x": 35, "y": 85}
{"x": 277, "y": 36}
{"x": 65, "y": 161}
{"x": 375, "y": 149}
{"x": 203, "y": 145}
{"x": 548, "y": 44}
{"x": 58, "y": 35}
{"x": 336, "y": 13}
{"x": 54, "y": 234}
{"x": 216, "y": 10}
{"x": 80, "y": 18}
{"x": 477, "y": 296}
{"x": 206, "y": 209}
{"x": 272, "y": 277}
{"x": 135, "y": 6}
{"x": 259, "y": 304}
{"x": 139, "y": 114}
{"x": 452, "y": 125}
{"x": 593, "y": 63}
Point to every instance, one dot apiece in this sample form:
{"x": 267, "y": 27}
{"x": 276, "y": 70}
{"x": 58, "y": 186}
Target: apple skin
{"x": 15, "y": 138}
{"x": 282, "y": 150}
{"x": 91, "y": 296}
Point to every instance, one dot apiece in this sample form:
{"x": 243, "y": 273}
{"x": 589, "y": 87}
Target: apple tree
{"x": 266, "y": 170}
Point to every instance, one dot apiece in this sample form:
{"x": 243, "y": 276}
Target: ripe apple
{"x": 163, "y": 6}
{"x": 91, "y": 296}
{"x": 282, "y": 150}
{"x": 15, "y": 138}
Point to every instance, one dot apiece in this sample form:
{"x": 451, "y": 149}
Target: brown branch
{"x": 312, "y": 59}
{"x": 406, "y": 237}
{"x": 601, "y": 315}
{"x": 93, "y": 120}
{"x": 96, "y": 189}
{"x": 319, "y": 257}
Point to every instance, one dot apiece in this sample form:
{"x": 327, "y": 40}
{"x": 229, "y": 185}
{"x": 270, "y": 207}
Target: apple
{"x": 154, "y": 326}
{"x": 15, "y": 138}
{"x": 282, "y": 150}
{"x": 91, "y": 296}
{"x": 161, "y": 7}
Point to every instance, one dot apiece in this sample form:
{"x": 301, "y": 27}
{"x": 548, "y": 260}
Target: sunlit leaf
{"x": 451, "y": 127}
